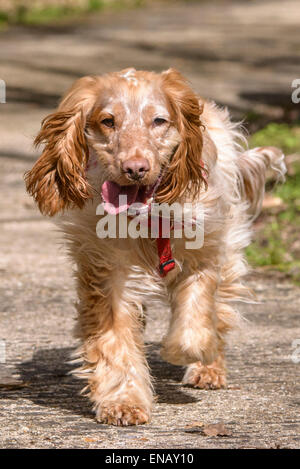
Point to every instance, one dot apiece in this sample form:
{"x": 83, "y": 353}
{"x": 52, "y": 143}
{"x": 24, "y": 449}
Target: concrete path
{"x": 240, "y": 56}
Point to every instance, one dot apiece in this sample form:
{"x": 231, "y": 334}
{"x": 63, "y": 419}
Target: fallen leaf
{"x": 194, "y": 424}
{"x": 90, "y": 440}
{"x": 194, "y": 430}
{"x": 194, "y": 427}
{"x": 13, "y": 385}
{"x": 216, "y": 429}
{"x": 8, "y": 380}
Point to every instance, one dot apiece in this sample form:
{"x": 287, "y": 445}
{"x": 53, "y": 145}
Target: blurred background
{"x": 244, "y": 54}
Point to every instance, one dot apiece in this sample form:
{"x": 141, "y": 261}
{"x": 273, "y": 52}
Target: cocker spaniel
{"x": 137, "y": 138}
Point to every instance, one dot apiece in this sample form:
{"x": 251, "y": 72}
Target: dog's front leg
{"x": 192, "y": 334}
{"x": 114, "y": 360}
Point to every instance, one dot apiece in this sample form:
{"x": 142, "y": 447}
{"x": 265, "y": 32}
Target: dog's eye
{"x": 159, "y": 121}
{"x": 108, "y": 122}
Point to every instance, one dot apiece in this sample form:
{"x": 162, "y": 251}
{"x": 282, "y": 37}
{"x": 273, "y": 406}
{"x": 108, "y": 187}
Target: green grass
{"x": 277, "y": 241}
{"x": 283, "y": 136}
{"x": 51, "y": 14}
{"x": 43, "y": 15}
{"x": 3, "y": 19}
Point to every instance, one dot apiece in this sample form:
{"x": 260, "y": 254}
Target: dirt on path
{"x": 238, "y": 56}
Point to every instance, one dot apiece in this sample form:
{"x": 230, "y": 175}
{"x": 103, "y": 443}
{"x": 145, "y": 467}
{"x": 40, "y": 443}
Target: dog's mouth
{"x": 118, "y": 198}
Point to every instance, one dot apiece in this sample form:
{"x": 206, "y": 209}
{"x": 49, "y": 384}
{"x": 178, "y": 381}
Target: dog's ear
{"x": 57, "y": 180}
{"x": 186, "y": 173}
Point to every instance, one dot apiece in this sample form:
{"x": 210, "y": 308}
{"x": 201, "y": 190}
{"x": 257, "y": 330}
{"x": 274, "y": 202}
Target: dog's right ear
{"x": 57, "y": 180}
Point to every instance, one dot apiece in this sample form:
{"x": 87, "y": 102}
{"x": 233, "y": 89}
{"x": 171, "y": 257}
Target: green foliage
{"x": 43, "y": 15}
{"x": 3, "y": 16}
{"x": 277, "y": 241}
{"x": 279, "y": 135}
{"x": 3, "y": 19}
{"x": 95, "y": 5}
{"x": 290, "y": 191}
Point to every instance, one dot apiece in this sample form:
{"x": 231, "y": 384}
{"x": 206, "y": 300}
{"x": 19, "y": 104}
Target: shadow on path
{"x": 47, "y": 381}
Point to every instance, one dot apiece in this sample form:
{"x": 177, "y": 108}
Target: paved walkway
{"x": 244, "y": 56}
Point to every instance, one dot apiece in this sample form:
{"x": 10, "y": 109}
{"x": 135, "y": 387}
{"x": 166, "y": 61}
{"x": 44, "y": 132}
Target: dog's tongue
{"x": 119, "y": 198}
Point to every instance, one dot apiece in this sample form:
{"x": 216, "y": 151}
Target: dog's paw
{"x": 121, "y": 414}
{"x": 205, "y": 377}
{"x": 190, "y": 346}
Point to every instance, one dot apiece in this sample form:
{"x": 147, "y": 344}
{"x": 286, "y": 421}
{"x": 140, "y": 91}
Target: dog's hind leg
{"x": 211, "y": 376}
{"x": 253, "y": 165}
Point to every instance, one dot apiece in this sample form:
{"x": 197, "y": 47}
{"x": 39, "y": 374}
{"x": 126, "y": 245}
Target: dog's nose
{"x": 136, "y": 168}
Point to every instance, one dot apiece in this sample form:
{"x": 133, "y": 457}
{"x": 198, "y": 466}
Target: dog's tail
{"x": 253, "y": 165}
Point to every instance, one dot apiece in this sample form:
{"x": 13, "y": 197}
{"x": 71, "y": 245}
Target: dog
{"x": 149, "y": 138}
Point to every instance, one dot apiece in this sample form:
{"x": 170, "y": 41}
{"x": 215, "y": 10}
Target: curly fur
{"x": 203, "y": 161}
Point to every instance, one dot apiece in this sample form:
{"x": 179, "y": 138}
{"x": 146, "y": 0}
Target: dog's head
{"x": 143, "y": 129}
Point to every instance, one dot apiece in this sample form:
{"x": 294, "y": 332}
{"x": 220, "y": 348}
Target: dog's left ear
{"x": 186, "y": 173}
{"x": 57, "y": 180}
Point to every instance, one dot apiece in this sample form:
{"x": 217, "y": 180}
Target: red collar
{"x": 164, "y": 251}
{"x": 166, "y": 261}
